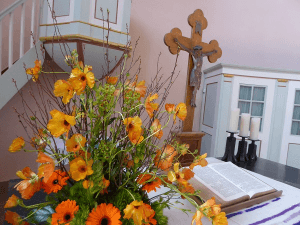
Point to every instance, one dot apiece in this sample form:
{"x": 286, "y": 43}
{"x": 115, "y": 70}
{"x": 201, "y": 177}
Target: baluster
{"x": 0, "y": 47}
{"x": 22, "y": 30}
{"x": 10, "y": 39}
{"x": 32, "y": 23}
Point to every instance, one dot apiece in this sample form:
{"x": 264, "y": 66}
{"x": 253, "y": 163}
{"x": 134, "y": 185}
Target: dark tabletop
{"x": 273, "y": 170}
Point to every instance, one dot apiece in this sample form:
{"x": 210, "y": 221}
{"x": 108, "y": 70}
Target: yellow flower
{"x": 220, "y": 219}
{"x": 133, "y": 127}
{"x": 150, "y": 107}
{"x": 11, "y": 202}
{"x": 80, "y": 79}
{"x": 138, "y": 211}
{"x": 170, "y": 108}
{"x": 176, "y": 175}
{"x": 197, "y": 218}
{"x": 75, "y": 143}
{"x": 164, "y": 158}
{"x": 180, "y": 112}
{"x": 111, "y": 80}
{"x": 79, "y": 170}
{"x": 36, "y": 70}
{"x": 17, "y": 144}
{"x": 60, "y": 123}
{"x": 63, "y": 89}
{"x": 199, "y": 160}
{"x": 156, "y": 128}
{"x": 88, "y": 184}
{"x": 210, "y": 208}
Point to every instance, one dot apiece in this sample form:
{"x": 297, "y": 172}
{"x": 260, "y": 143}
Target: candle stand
{"x": 241, "y": 155}
{"x": 252, "y": 150}
{"x": 229, "y": 150}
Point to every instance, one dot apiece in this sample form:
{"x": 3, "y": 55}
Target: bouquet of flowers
{"x": 111, "y": 130}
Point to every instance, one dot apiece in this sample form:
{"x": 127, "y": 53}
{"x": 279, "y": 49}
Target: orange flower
{"x": 156, "y": 128}
{"x": 60, "y": 123}
{"x": 79, "y": 79}
{"x": 56, "y": 182}
{"x": 76, "y": 142}
{"x": 133, "y": 127}
{"x": 183, "y": 148}
{"x": 197, "y": 218}
{"x": 63, "y": 89}
{"x": 176, "y": 175}
{"x": 30, "y": 183}
{"x": 140, "y": 88}
{"x": 210, "y": 208}
{"x": 170, "y": 108}
{"x": 150, "y": 107}
{"x": 135, "y": 137}
{"x": 47, "y": 167}
{"x": 104, "y": 185}
{"x": 151, "y": 220}
{"x": 79, "y": 170}
{"x": 199, "y": 160}
{"x": 14, "y": 219}
{"x": 188, "y": 174}
{"x": 36, "y": 70}
{"x": 11, "y": 202}
{"x": 87, "y": 184}
{"x": 148, "y": 186}
{"x": 37, "y": 141}
{"x": 17, "y": 144}
{"x": 82, "y": 154}
{"x": 138, "y": 211}
{"x": 64, "y": 212}
{"x": 220, "y": 219}
{"x": 188, "y": 188}
{"x": 180, "y": 112}
{"x": 111, "y": 80}
{"x": 164, "y": 159}
{"x": 104, "y": 214}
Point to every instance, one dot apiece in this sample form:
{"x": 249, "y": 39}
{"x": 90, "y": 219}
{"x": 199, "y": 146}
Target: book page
{"x": 245, "y": 181}
{"x": 218, "y": 184}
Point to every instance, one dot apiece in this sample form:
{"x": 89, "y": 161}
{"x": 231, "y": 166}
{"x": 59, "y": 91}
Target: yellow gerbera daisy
{"x": 63, "y": 89}
{"x": 79, "y": 169}
{"x": 80, "y": 79}
{"x": 60, "y": 123}
{"x": 17, "y": 144}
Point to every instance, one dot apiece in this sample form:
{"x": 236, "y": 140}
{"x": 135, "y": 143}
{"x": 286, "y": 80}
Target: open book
{"x": 228, "y": 183}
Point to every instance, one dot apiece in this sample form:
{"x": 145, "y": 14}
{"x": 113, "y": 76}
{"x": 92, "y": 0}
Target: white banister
{"x": 0, "y": 47}
{"x": 32, "y": 23}
{"x": 10, "y": 39}
{"x": 22, "y": 30}
{"x": 10, "y": 8}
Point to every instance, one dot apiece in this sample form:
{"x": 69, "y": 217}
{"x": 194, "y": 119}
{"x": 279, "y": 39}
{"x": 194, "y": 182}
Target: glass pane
{"x": 111, "y": 5}
{"x": 259, "y": 93}
{"x": 295, "y": 128}
{"x": 257, "y": 109}
{"x": 296, "y": 114}
{"x": 244, "y": 107}
{"x": 297, "y": 97}
{"x": 61, "y": 7}
{"x": 245, "y": 92}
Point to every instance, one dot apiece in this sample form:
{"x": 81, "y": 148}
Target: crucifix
{"x": 197, "y": 51}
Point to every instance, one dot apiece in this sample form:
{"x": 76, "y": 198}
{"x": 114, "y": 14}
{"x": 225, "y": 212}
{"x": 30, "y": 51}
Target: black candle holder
{"x": 229, "y": 150}
{"x": 252, "y": 150}
{"x": 241, "y": 155}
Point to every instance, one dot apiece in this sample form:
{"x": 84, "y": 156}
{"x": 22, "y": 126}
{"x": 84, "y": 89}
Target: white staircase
{"x": 14, "y": 67}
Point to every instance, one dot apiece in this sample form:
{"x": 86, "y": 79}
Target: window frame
{"x": 297, "y": 89}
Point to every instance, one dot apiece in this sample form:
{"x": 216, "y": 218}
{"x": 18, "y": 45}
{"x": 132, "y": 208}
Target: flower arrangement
{"x": 110, "y": 129}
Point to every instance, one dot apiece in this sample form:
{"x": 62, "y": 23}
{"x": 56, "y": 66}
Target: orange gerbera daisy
{"x": 64, "y": 212}
{"x": 11, "y": 202}
{"x": 150, "y": 107}
{"x": 56, "y": 182}
{"x": 47, "y": 167}
{"x": 138, "y": 211}
{"x": 104, "y": 214}
{"x": 79, "y": 169}
{"x": 60, "y": 123}
{"x": 199, "y": 160}
{"x": 197, "y": 218}
{"x": 156, "y": 128}
{"x": 30, "y": 183}
{"x": 180, "y": 112}
{"x": 164, "y": 158}
{"x": 220, "y": 219}
{"x": 80, "y": 79}
{"x": 170, "y": 108}
{"x": 63, "y": 89}
{"x": 76, "y": 142}
{"x": 111, "y": 80}
{"x": 148, "y": 186}
{"x": 17, "y": 144}
{"x": 14, "y": 218}
{"x": 36, "y": 70}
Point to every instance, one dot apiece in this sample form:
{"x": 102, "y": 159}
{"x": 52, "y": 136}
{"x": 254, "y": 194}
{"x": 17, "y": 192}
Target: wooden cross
{"x": 197, "y": 50}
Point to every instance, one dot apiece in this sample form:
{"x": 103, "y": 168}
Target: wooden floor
{"x": 3, "y": 199}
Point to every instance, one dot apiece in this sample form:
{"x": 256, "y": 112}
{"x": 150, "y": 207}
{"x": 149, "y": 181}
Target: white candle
{"x": 245, "y": 123}
{"x": 254, "y": 130}
{"x": 234, "y": 120}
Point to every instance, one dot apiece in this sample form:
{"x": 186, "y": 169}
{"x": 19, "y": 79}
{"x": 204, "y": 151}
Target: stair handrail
{"x": 11, "y": 8}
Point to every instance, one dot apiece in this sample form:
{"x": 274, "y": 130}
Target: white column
{"x": 22, "y": 30}
{"x": 11, "y": 39}
{"x": 32, "y": 23}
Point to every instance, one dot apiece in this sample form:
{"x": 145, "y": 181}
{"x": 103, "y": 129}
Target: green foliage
{"x": 81, "y": 216}
{"x": 158, "y": 207}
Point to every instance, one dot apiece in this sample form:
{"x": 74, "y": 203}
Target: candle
{"x": 254, "y": 130}
{"x": 234, "y": 120}
{"x": 245, "y": 122}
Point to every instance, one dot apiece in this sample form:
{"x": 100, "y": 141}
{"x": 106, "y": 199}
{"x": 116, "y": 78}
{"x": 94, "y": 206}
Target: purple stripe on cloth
{"x": 277, "y": 215}
{"x": 233, "y": 214}
{"x": 256, "y": 207}
{"x": 276, "y": 199}
{"x": 298, "y": 223}
{"x": 294, "y": 215}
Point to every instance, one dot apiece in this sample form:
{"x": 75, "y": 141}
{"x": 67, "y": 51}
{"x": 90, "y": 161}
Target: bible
{"x": 232, "y": 187}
